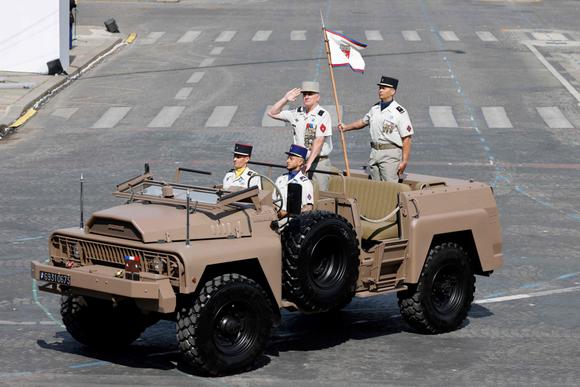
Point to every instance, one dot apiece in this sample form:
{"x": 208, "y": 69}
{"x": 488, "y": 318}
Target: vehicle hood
{"x": 158, "y": 222}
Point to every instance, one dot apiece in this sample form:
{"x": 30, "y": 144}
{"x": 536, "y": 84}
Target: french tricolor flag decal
{"x": 134, "y": 258}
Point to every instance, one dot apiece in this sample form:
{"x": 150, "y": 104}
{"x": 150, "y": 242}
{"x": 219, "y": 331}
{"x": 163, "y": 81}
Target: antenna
{"x": 187, "y": 243}
{"x": 82, "y": 223}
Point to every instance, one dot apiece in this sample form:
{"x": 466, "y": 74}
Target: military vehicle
{"x": 222, "y": 265}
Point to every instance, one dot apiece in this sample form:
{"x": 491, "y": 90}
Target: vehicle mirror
{"x": 294, "y": 199}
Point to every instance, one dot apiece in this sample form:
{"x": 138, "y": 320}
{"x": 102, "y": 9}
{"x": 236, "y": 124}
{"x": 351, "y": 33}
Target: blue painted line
{"x": 567, "y": 276}
{"x": 46, "y": 311}
{"x": 30, "y": 238}
{"x": 89, "y": 364}
{"x": 496, "y": 294}
{"x": 530, "y": 286}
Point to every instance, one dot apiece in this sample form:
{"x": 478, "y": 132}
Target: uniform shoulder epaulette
{"x": 303, "y": 178}
{"x": 299, "y": 110}
{"x": 377, "y": 104}
{"x": 400, "y": 109}
{"x": 321, "y": 112}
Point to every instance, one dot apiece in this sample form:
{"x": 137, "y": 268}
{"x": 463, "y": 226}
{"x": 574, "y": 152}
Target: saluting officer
{"x": 391, "y": 132}
{"x": 240, "y": 175}
{"x": 312, "y": 128}
{"x": 294, "y": 162}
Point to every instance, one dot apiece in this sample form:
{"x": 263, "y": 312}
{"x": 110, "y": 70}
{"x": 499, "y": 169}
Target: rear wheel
{"x": 101, "y": 323}
{"x": 226, "y": 327}
{"x": 439, "y": 302}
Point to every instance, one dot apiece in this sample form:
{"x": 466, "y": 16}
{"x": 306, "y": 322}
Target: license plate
{"x": 61, "y": 279}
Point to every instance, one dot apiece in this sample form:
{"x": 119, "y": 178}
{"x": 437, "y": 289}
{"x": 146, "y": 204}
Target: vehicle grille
{"x": 83, "y": 252}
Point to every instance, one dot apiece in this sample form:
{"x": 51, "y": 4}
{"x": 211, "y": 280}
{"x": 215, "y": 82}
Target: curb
{"x": 29, "y": 111}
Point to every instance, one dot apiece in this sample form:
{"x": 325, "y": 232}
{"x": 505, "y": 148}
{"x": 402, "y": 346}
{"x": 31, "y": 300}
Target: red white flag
{"x": 344, "y": 51}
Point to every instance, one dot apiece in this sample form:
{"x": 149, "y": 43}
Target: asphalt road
{"x": 492, "y": 89}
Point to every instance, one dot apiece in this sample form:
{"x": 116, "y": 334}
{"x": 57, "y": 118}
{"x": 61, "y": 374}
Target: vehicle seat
{"x": 375, "y": 199}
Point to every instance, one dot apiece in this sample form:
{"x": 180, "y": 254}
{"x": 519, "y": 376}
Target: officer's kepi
{"x": 243, "y": 149}
{"x": 297, "y": 150}
{"x": 389, "y": 82}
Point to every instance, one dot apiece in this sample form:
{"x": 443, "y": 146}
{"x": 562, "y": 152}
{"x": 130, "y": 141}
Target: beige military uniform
{"x": 388, "y": 127}
{"x": 230, "y": 179}
{"x": 308, "y": 126}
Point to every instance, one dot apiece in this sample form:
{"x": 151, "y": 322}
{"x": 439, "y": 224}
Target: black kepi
{"x": 389, "y": 82}
{"x": 243, "y": 149}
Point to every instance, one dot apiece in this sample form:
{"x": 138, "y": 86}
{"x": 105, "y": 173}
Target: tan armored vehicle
{"x": 221, "y": 265}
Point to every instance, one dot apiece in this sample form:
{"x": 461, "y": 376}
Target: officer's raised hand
{"x": 291, "y": 95}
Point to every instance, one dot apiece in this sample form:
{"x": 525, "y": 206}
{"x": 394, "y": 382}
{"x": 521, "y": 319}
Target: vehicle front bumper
{"x": 152, "y": 291}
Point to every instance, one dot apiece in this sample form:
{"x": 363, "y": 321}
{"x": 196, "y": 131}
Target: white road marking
{"x": 442, "y": 117}
{"x": 270, "y": 122}
{"x": 549, "y": 36}
{"x": 373, "y": 35}
{"x": 496, "y": 117}
{"x": 152, "y": 38}
{"x": 411, "y": 36}
{"x": 554, "y": 72}
{"x": 196, "y": 77}
{"x": 554, "y": 118}
{"x": 298, "y": 35}
{"x": 44, "y": 322}
{"x": 528, "y": 295}
{"x": 166, "y": 117}
{"x": 216, "y": 51}
{"x": 111, "y": 117}
{"x": 183, "y": 93}
{"x": 207, "y": 62}
{"x": 226, "y": 36}
{"x": 65, "y": 113}
{"x": 261, "y": 36}
{"x": 448, "y": 36}
{"x": 189, "y": 37}
{"x": 221, "y": 116}
{"x": 486, "y": 36}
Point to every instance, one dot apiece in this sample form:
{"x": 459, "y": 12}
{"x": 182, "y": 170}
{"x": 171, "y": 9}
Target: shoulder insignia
{"x": 321, "y": 112}
{"x": 377, "y": 104}
{"x": 400, "y": 109}
{"x": 303, "y": 178}
{"x": 299, "y": 110}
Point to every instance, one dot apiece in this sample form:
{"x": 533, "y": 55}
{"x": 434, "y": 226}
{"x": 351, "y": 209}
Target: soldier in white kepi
{"x": 391, "y": 133}
{"x": 294, "y": 162}
{"x": 240, "y": 175}
{"x": 312, "y": 128}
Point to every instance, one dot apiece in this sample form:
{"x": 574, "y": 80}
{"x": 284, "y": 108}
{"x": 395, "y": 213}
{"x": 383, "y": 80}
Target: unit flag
{"x": 344, "y": 51}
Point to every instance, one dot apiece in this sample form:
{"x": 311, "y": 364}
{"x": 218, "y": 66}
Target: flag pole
{"x": 336, "y": 104}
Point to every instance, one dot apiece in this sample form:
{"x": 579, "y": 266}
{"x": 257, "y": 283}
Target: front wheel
{"x": 439, "y": 302}
{"x": 226, "y": 327}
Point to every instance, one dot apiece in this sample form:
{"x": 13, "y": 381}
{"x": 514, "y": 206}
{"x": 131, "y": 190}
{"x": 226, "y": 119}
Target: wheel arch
{"x": 249, "y": 268}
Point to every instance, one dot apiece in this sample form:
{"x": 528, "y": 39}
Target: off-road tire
{"x": 101, "y": 323}
{"x": 321, "y": 261}
{"x": 226, "y": 327}
{"x": 439, "y": 302}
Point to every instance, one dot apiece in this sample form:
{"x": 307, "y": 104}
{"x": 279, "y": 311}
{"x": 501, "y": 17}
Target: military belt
{"x": 379, "y": 146}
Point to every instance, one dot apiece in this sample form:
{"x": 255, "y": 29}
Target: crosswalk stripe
{"x": 261, "y": 36}
{"x": 189, "y": 37}
{"x": 486, "y": 36}
{"x": 196, "y": 77}
{"x": 448, "y": 36}
{"x": 554, "y": 118}
{"x": 221, "y": 116}
{"x": 442, "y": 117}
{"x": 216, "y": 51}
{"x": 298, "y": 35}
{"x": 111, "y": 117}
{"x": 411, "y": 36}
{"x": 548, "y": 36}
{"x": 183, "y": 93}
{"x": 166, "y": 117}
{"x": 270, "y": 122}
{"x": 151, "y": 38}
{"x": 226, "y": 36}
{"x": 65, "y": 113}
{"x": 496, "y": 117}
{"x": 373, "y": 35}
{"x": 206, "y": 62}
